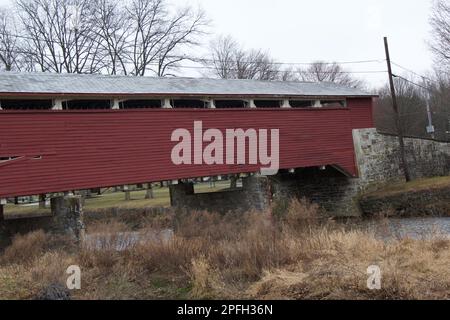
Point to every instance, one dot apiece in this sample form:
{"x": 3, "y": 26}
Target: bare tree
{"x": 9, "y": 42}
{"x": 60, "y": 35}
{"x": 321, "y": 71}
{"x": 113, "y": 29}
{"x": 223, "y": 60}
{"x": 440, "y": 104}
{"x": 183, "y": 33}
{"x": 158, "y": 36}
{"x": 411, "y": 101}
{"x": 440, "y": 23}
{"x": 228, "y": 60}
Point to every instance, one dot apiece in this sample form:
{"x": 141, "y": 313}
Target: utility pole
{"x": 396, "y": 114}
{"x": 430, "y": 127}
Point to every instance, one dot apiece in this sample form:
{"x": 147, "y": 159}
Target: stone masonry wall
{"x": 378, "y": 157}
{"x": 378, "y": 162}
{"x": 332, "y": 191}
{"x": 254, "y": 194}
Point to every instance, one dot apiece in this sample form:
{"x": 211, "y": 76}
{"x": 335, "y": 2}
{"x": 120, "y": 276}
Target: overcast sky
{"x": 344, "y": 30}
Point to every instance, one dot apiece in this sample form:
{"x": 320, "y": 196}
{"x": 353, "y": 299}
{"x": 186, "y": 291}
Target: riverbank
{"x": 297, "y": 254}
{"x": 423, "y": 197}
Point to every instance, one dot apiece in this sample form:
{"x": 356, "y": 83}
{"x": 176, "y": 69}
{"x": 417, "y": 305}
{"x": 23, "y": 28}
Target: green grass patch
{"x": 116, "y": 200}
{"x": 413, "y": 186}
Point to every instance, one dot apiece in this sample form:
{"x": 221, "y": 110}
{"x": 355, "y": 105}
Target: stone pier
{"x": 66, "y": 218}
{"x": 254, "y": 194}
{"x": 333, "y": 191}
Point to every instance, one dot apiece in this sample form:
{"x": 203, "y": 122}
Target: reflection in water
{"x": 417, "y": 228}
{"x": 123, "y": 240}
{"x": 386, "y": 229}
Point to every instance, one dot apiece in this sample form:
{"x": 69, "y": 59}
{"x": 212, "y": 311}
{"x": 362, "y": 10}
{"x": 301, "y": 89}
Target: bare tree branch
{"x": 9, "y": 43}
{"x": 158, "y": 35}
{"x": 60, "y": 35}
{"x": 230, "y": 61}
{"x": 440, "y": 23}
{"x": 321, "y": 71}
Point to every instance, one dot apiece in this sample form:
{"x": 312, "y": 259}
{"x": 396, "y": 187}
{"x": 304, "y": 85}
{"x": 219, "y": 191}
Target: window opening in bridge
{"x": 26, "y": 104}
{"x": 86, "y": 104}
{"x": 229, "y": 104}
{"x": 140, "y": 104}
{"x": 186, "y": 103}
{"x": 333, "y": 103}
{"x": 267, "y": 103}
{"x": 301, "y": 103}
{"x": 4, "y": 159}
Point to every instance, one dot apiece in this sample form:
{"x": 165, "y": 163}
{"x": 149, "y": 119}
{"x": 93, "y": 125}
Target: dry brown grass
{"x": 25, "y": 248}
{"x": 295, "y": 255}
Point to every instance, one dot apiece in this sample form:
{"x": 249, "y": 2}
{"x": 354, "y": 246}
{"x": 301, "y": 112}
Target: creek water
{"x": 416, "y": 228}
{"x": 386, "y": 229}
{"x": 122, "y": 240}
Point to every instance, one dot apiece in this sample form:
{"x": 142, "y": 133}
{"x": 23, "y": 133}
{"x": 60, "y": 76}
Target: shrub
{"x": 25, "y": 248}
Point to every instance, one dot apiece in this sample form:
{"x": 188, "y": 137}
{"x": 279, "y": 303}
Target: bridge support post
{"x": 67, "y": 216}
{"x": 42, "y": 201}
{"x": 149, "y": 192}
{"x": 126, "y": 189}
{"x": 179, "y": 193}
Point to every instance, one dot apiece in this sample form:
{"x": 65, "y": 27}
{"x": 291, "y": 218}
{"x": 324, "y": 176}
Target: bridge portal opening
{"x": 328, "y": 171}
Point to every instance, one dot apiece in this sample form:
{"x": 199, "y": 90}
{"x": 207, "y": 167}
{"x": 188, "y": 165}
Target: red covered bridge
{"x": 74, "y": 132}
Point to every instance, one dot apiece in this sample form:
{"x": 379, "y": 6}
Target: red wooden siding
{"x": 361, "y": 113}
{"x": 72, "y": 150}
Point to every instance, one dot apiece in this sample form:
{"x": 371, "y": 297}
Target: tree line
{"x": 135, "y": 37}
{"x": 414, "y": 91}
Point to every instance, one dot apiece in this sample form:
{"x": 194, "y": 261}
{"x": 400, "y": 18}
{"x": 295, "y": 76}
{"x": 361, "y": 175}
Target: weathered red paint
{"x": 71, "y": 150}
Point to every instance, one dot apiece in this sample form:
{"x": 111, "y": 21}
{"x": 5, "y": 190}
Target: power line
{"x": 287, "y": 71}
{"x": 228, "y": 69}
{"x": 411, "y": 71}
{"x": 198, "y": 59}
{"x": 412, "y": 82}
{"x": 297, "y": 63}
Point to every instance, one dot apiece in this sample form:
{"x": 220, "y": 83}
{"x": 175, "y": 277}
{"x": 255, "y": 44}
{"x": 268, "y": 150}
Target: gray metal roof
{"x": 62, "y": 84}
